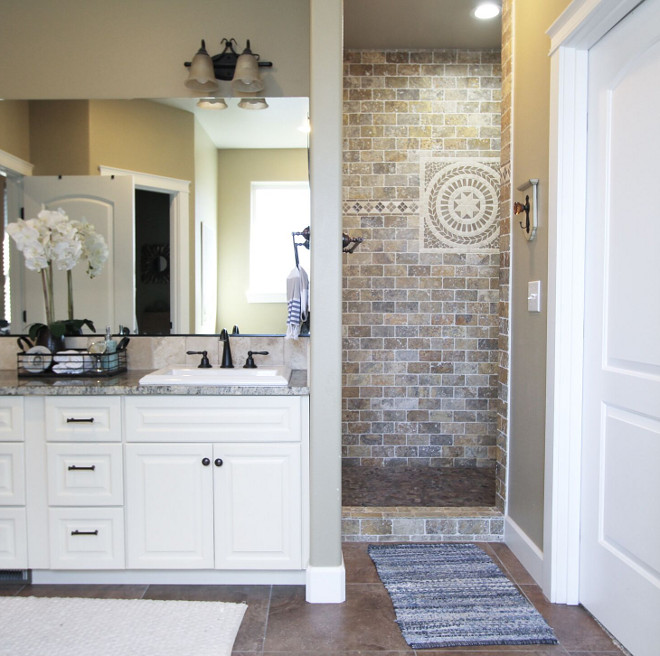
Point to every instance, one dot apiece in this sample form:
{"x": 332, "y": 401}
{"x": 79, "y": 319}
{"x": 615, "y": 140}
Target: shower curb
{"x": 415, "y": 524}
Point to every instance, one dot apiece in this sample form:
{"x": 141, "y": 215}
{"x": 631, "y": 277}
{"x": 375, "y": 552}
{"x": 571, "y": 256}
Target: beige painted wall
{"x": 15, "y": 128}
{"x": 531, "y": 99}
{"x": 59, "y": 137}
{"x": 128, "y": 49}
{"x": 142, "y": 136}
{"x": 74, "y": 137}
{"x": 236, "y": 170}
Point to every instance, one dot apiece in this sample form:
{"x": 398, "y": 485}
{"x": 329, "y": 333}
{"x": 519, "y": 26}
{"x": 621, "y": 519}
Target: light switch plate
{"x": 534, "y": 296}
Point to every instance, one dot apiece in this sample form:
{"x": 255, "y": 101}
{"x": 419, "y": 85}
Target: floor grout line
{"x": 263, "y": 639}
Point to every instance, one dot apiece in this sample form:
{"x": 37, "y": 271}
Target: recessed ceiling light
{"x": 486, "y": 10}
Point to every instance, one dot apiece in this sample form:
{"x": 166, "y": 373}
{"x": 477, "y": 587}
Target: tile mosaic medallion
{"x": 459, "y": 204}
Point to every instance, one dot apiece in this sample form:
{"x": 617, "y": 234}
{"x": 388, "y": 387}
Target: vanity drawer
{"x": 213, "y": 419}
{"x": 85, "y": 475}
{"x": 12, "y": 474}
{"x": 83, "y": 418}
{"x": 86, "y": 538}
{"x": 11, "y": 419}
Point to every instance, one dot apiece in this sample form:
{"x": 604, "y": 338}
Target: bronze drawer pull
{"x": 77, "y": 532}
{"x": 75, "y": 420}
{"x": 81, "y": 468}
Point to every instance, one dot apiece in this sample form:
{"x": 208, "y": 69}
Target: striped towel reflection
{"x": 297, "y": 294}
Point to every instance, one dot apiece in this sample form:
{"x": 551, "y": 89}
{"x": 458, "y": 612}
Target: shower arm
{"x": 348, "y": 243}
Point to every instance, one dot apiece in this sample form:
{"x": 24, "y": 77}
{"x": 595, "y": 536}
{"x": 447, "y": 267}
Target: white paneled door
{"x": 108, "y": 204}
{"x": 620, "y": 532}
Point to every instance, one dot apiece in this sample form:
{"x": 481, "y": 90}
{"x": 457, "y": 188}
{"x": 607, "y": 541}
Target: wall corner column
{"x": 325, "y": 574}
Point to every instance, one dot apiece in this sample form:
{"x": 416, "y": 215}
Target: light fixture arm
{"x": 224, "y": 63}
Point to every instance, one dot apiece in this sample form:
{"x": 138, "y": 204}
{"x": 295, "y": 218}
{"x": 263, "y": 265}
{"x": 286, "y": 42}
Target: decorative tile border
{"x": 384, "y": 524}
{"x": 366, "y": 207}
{"x": 460, "y": 204}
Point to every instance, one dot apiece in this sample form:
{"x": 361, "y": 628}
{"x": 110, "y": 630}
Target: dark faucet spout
{"x": 226, "y": 362}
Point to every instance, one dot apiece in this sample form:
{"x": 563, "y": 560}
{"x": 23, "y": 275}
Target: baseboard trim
{"x": 170, "y": 577}
{"x": 524, "y": 549}
{"x": 326, "y": 585}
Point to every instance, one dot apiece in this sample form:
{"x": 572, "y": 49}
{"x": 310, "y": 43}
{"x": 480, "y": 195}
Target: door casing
{"x": 579, "y": 27}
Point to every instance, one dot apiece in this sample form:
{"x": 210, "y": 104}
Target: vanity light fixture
{"x": 243, "y": 69}
{"x": 253, "y": 103}
{"x": 487, "y": 10}
{"x": 212, "y": 103}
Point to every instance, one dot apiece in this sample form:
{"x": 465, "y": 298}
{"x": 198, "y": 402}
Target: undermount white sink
{"x": 191, "y": 375}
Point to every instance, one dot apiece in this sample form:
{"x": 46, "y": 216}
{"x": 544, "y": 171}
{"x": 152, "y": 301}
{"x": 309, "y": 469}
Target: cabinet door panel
{"x": 169, "y": 506}
{"x": 258, "y": 506}
{"x": 12, "y": 474}
{"x": 13, "y": 538}
{"x": 11, "y": 419}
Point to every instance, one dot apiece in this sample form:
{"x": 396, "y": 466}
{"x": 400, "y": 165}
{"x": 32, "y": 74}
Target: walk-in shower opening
{"x": 421, "y": 297}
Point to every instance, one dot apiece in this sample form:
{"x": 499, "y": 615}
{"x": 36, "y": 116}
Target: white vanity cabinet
{"x": 214, "y": 482}
{"x": 150, "y": 488}
{"x": 13, "y": 531}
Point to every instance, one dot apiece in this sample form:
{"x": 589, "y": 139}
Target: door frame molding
{"x": 179, "y": 192}
{"x": 579, "y": 27}
{"x": 15, "y": 169}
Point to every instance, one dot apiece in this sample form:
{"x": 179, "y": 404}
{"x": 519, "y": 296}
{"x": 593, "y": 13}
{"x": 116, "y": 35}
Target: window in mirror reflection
{"x": 277, "y": 210}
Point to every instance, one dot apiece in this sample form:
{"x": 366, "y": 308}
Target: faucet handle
{"x": 249, "y": 363}
{"x": 204, "y": 364}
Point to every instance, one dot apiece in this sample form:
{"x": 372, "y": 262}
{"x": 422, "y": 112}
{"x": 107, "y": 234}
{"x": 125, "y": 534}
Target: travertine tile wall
{"x": 421, "y": 329}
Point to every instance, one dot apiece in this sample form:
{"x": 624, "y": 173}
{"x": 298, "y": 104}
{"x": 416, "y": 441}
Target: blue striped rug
{"x": 453, "y": 595}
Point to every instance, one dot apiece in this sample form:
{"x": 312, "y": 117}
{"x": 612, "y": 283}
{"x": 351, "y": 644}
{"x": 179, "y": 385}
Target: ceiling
{"x": 417, "y": 24}
{"x": 275, "y": 127}
{"x": 368, "y": 25}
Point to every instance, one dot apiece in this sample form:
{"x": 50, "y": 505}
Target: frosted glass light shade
{"x": 201, "y": 76}
{"x": 212, "y": 103}
{"x": 253, "y": 103}
{"x": 246, "y": 76}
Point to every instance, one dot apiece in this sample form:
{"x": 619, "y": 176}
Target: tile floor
{"x": 417, "y": 486}
{"x": 278, "y": 621}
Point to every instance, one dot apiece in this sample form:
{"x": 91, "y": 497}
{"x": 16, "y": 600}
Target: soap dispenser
{"x": 110, "y": 344}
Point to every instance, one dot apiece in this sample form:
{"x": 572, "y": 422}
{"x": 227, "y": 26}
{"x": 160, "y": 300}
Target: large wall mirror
{"x": 245, "y": 175}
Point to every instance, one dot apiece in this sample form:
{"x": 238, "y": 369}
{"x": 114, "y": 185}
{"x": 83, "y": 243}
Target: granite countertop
{"x": 127, "y": 384}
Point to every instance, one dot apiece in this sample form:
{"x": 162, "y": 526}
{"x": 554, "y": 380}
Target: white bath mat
{"x": 117, "y": 627}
